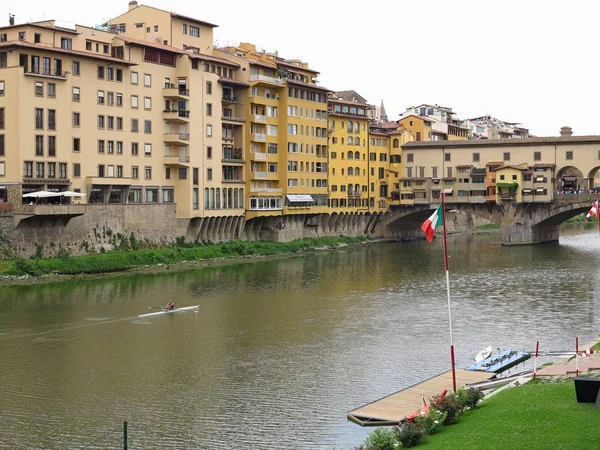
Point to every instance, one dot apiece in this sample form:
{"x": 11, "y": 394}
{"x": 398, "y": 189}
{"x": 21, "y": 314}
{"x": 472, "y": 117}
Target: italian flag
{"x": 593, "y": 211}
{"x": 434, "y": 221}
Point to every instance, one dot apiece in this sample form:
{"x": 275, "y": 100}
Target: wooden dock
{"x": 395, "y": 407}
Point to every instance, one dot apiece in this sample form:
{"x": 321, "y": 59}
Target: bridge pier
{"x": 520, "y": 233}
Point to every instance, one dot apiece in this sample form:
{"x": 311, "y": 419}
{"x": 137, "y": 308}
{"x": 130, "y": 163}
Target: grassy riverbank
{"x": 121, "y": 261}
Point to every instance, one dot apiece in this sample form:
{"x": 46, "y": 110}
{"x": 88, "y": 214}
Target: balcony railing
{"x": 260, "y": 156}
{"x": 229, "y": 99}
{"x": 353, "y": 193}
{"x": 177, "y": 136}
{"x": 274, "y": 190}
{"x": 260, "y": 118}
{"x": 260, "y": 137}
{"x": 260, "y": 174}
{"x": 39, "y": 71}
{"x": 266, "y": 78}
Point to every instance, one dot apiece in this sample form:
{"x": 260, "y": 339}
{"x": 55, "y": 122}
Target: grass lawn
{"x": 532, "y": 416}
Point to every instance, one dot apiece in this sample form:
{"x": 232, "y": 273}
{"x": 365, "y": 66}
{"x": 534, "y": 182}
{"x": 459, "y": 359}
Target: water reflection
{"x": 281, "y": 349}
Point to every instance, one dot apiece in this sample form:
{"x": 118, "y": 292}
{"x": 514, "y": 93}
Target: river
{"x": 281, "y": 349}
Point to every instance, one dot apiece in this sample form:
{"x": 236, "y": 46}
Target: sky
{"x": 519, "y": 61}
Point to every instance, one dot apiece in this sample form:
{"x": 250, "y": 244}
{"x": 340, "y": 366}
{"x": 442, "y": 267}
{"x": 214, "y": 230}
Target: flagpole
{"x": 448, "y": 291}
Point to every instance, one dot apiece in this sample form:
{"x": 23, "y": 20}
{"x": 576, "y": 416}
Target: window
{"x": 100, "y": 146}
{"x": 209, "y": 109}
{"x": 110, "y": 147}
{"x": 100, "y": 121}
{"x": 28, "y": 169}
{"x": 569, "y": 155}
{"x": 88, "y": 46}
{"x": 52, "y": 119}
{"x": 134, "y": 125}
{"x": 119, "y": 75}
{"x": 110, "y": 98}
{"x": 22, "y": 35}
{"x": 410, "y": 157}
{"x": 66, "y": 43}
{"x": 39, "y": 119}
{"x": 147, "y": 80}
{"x": 101, "y": 72}
{"x": 183, "y": 173}
{"x": 209, "y": 174}
{"x": 76, "y": 170}
{"x": 101, "y": 97}
{"x": 506, "y": 156}
{"x": 537, "y": 156}
{"x": 147, "y": 103}
{"x": 147, "y": 172}
{"x": 147, "y": 126}
{"x": 105, "y": 50}
{"x": 209, "y": 130}
{"x": 1, "y": 88}
{"x": 76, "y": 119}
{"x": 39, "y": 169}
{"x": 76, "y": 94}
{"x": 75, "y": 68}
{"x": 39, "y": 88}
{"x": 147, "y": 149}
{"x": 39, "y": 145}
{"x": 37, "y": 38}
{"x": 119, "y": 148}
{"x": 134, "y": 78}
{"x": 76, "y": 144}
{"x": 168, "y": 195}
{"x": 135, "y": 172}
{"x": 194, "y": 31}
{"x": 209, "y": 87}
{"x": 209, "y": 152}
{"x": 475, "y": 157}
{"x": 51, "y": 145}
{"x": 119, "y": 123}
{"x": 184, "y": 28}
{"x": 134, "y": 148}
{"x": 447, "y": 157}
{"x": 156, "y": 28}
{"x": 52, "y": 90}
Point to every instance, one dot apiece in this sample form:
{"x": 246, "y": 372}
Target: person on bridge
{"x": 170, "y": 306}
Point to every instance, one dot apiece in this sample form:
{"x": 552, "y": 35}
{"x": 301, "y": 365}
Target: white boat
{"x": 483, "y": 354}
{"x": 170, "y": 311}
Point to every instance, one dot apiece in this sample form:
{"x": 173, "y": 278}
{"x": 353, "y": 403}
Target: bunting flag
{"x": 434, "y": 221}
{"x": 593, "y": 211}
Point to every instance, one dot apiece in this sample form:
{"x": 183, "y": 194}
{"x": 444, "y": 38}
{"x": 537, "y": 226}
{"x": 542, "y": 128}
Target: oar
{"x": 150, "y": 307}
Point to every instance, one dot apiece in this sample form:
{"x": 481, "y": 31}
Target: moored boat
{"x": 501, "y": 361}
{"x": 483, "y": 354}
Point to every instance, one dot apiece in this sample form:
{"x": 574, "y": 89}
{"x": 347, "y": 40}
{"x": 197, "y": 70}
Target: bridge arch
{"x": 569, "y": 179}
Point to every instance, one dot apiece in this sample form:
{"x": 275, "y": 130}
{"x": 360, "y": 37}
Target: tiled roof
{"x": 191, "y": 19}
{"x": 204, "y": 57}
{"x": 423, "y": 118}
{"x": 308, "y": 85}
{"x": 143, "y": 43}
{"x": 349, "y": 95}
{"x": 39, "y": 25}
{"x": 306, "y": 69}
{"x": 508, "y": 142}
{"x": 68, "y": 52}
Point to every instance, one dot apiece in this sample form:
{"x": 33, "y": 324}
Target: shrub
{"x": 448, "y": 404}
{"x": 468, "y": 398}
{"x": 381, "y": 439}
{"x": 410, "y": 434}
{"x": 431, "y": 421}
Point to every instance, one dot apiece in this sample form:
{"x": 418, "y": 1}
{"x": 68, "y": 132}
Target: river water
{"x": 281, "y": 350}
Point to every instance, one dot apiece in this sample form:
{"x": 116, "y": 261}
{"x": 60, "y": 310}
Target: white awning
{"x": 299, "y": 198}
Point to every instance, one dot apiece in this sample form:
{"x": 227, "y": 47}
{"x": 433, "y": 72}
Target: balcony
{"x": 176, "y": 93}
{"x": 232, "y": 180}
{"x": 233, "y": 119}
{"x": 353, "y": 193}
{"x": 229, "y": 99}
{"x": 176, "y": 138}
{"x": 176, "y": 160}
{"x": 259, "y": 175}
{"x": 25, "y": 211}
{"x": 260, "y": 137}
{"x": 260, "y": 118}
{"x": 266, "y": 79}
{"x": 181, "y": 116}
{"x": 258, "y": 156}
{"x": 267, "y": 190}
{"x": 39, "y": 72}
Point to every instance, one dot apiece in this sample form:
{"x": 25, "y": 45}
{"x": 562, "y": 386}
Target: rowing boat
{"x": 170, "y": 311}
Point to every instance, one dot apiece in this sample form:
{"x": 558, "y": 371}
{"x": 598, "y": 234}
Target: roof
{"x": 350, "y": 95}
{"x": 172, "y": 14}
{"x": 423, "y": 118}
{"x": 204, "y": 57}
{"x": 306, "y": 69}
{"x": 143, "y": 43}
{"x": 493, "y": 163}
{"x": 308, "y": 85}
{"x": 521, "y": 142}
{"x": 39, "y": 25}
{"x": 226, "y": 80}
{"x": 464, "y": 165}
{"x": 68, "y": 52}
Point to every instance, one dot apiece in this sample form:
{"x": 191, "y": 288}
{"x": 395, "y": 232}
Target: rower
{"x": 170, "y": 306}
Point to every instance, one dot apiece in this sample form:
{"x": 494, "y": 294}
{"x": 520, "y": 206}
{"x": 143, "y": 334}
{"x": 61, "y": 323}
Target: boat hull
{"x": 172, "y": 311}
{"x": 500, "y": 361}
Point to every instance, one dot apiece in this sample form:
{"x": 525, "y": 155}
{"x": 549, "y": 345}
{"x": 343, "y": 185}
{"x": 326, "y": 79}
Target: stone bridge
{"x": 520, "y": 223}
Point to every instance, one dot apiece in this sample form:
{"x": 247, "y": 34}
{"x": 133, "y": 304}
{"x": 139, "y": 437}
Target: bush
{"x": 448, "y": 404}
{"x": 431, "y": 421}
{"x": 381, "y": 439}
{"x": 468, "y": 398}
{"x": 410, "y": 434}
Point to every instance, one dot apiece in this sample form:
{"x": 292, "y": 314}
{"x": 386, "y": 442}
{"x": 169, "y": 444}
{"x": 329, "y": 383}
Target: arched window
{"x": 241, "y": 193}
{"x": 357, "y": 171}
{"x": 229, "y": 198}
{"x": 350, "y": 189}
{"x": 212, "y": 198}
{"x": 357, "y": 188}
{"x": 356, "y": 155}
{"x": 350, "y": 171}
{"x": 218, "y": 198}
{"x": 206, "y": 197}
{"x": 396, "y": 143}
{"x": 356, "y": 127}
{"x": 235, "y": 198}
{"x": 350, "y": 154}
{"x": 350, "y": 140}
{"x": 349, "y": 126}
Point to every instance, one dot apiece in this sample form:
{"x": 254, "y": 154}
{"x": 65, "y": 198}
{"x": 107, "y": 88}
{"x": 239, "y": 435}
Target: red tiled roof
{"x": 204, "y": 57}
{"x": 39, "y": 25}
{"x": 306, "y": 69}
{"x": 143, "y": 43}
{"x": 423, "y": 118}
{"x": 191, "y": 19}
{"x": 68, "y": 52}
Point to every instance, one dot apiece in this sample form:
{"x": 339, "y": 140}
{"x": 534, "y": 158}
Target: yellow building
{"x": 509, "y": 184}
{"x": 349, "y": 175}
{"x": 419, "y": 126}
{"x": 286, "y": 138}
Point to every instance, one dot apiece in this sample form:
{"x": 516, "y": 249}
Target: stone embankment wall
{"x": 109, "y": 227}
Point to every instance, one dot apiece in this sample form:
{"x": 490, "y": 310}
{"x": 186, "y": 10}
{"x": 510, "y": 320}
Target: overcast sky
{"x": 519, "y": 61}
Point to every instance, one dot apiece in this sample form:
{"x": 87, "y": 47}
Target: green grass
{"x": 596, "y": 347}
{"x": 532, "y": 416}
{"x": 119, "y": 261}
{"x": 487, "y": 226}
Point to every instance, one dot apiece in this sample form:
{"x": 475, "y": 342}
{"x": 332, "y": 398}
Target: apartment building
{"x": 133, "y": 112}
{"x": 286, "y": 134}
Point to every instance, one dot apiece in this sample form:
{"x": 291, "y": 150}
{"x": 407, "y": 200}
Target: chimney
{"x": 132, "y": 4}
{"x": 566, "y": 131}
{"x": 11, "y": 19}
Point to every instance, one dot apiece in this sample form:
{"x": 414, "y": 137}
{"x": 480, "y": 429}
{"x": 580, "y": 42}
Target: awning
{"x": 299, "y": 198}
{"x": 506, "y": 185}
